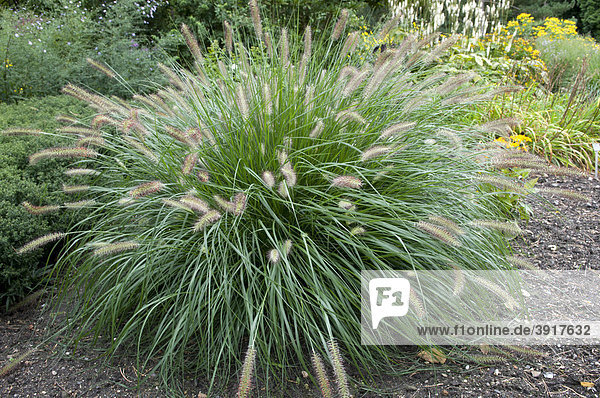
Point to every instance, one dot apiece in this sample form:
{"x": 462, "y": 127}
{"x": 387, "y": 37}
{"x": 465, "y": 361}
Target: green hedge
{"x": 39, "y": 185}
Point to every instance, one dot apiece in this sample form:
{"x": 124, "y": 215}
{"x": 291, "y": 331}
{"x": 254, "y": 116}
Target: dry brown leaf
{"x": 586, "y": 384}
{"x": 433, "y": 356}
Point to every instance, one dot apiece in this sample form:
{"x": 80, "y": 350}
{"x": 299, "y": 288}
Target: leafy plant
{"x": 239, "y": 211}
{"x": 38, "y": 186}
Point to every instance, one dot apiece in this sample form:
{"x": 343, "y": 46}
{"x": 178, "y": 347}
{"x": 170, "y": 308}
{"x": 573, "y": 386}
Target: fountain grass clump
{"x": 236, "y": 207}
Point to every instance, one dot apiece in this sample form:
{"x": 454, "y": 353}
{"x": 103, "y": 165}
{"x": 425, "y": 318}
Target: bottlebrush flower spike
{"x": 80, "y": 204}
{"x": 246, "y": 377}
{"x": 145, "y": 189}
{"x": 350, "y": 44}
{"x": 242, "y": 102}
{"x": 350, "y": 115}
{"x": 75, "y": 188}
{"x": 344, "y": 204}
{"x": 374, "y": 152}
{"x": 438, "y": 232}
{"x": 229, "y": 207}
{"x": 180, "y": 136}
{"x": 521, "y": 262}
{"x": 357, "y": 231}
{"x": 100, "y": 120}
{"x": 317, "y": 130}
{"x": 268, "y": 179}
{"x": 284, "y": 50}
{"x": 203, "y": 176}
{"x": 565, "y": 193}
{"x": 41, "y": 241}
{"x": 228, "y": 36}
{"x": 346, "y": 182}
{"x": 31, "y": 209}
{"x": 340, "y": 25}
{"x": 287, "y": 247}
{"x": 188, "y": 163}
{"x": 274, "y": 256}
{"x": 341, "y": 377}
{"x": 101, "y": 67}
{"x": 19, "y": 131}
{"x": 502, "y": 226}
{"x": 66, "y": 119}
{"x": 115, "y": 248}
{"x": 192, "y": 43}
{"x": 208, "y": 219}
{"x": 195, "y": 204}
{"x": 62, "y": 152}
{"x": 289, "y": 174}
{"x": 255, "y": 14}
{"x": 239, "y": 201}
{"x": 88, "y": 141}
{"x": 446, "y": 223}
{"x": 396, "y": 129}
{"x": 87, "y": 132}
{"x": 283, "y": 190}
{"x": 321, "y": 374}
{"x": 282, "y": 157}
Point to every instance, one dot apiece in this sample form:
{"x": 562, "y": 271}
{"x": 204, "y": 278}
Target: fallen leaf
{"x": 304, "y": 374}
{"x": 587, "y": 384}
{"x": 433, "y": 356}
{"x": 201, "y": 395}
{"x": 484, "y": 348}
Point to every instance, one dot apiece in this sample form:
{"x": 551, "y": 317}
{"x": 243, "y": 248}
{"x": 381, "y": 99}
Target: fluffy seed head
{"x": 357, "y": 231}
{"x": 66, "y": 119}
{"x": 255, "y": 14}
{"x": 226, "y": 205}
{"x": 101, "y": 67}
{"x": 289, "y": 174}
{"x": 350, "y": 115}
{"x": 62, "y": 152}
{"x": 268, "y": 179}
{"x": 274, "y": 256}
{"x": 344, "y": 204}
{"x": 246, "y": 377}
{"x": 100, "y": 120}
{"x": 502, "y": 183}
{"x": 506, "y": 227}
{"x": 41, "y": 241}
{"x": 283, "y": 190}
{"x": 115, "y": 248}
{"x": 228, "y": 36}
{"x": 509, "y": 301}
{"x": 284, "y": 50}
{"x": 346, "y": 182}
{"x": 350, "y": 44}
{"x": 307, "y": 43}
{"x": 317, "y": 130}
{"x": 146, "y": 188}
{"x": 79, "y": 204}
{"x": 340, "y": 25}
{"x": 337, "y": 362}
{"x": 321, "y": 374}
{"x": 446, "y": 223}
{"x": 209, "y": 218}
{"x": 203, "y": 176}
{"x": 521, "y": 262}
{"x": 192, "y": 43}
{"x": 19, "y": 131}
{"x": 396, "y": 129}
{"x": 194, "y": 203}
{"x": 439, "y": 233}
{"x": 188, "y": 163}
{"x": 565, "y": 193}
{"x": 374, "y": 152}
{"x": 242, "y": 102}
{"x": 354, "y": 82}
{"x": 89, "y": 141}
{"x": 75, "y": 188}
{"x": 31, "y": 209}
{"x": 417, "y": 304}
{"x": 84, "y": 131}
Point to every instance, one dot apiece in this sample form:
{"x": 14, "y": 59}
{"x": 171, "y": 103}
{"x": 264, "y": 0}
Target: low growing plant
{"x": 236, "y": 214}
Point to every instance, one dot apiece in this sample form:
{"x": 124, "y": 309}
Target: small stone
{"x": 496, "y": 372}
{"x": 552, "y": 247}
{"x": 54, "y": 373}
{"x": 536, "y": 373}
{"x": 549, "y": 375}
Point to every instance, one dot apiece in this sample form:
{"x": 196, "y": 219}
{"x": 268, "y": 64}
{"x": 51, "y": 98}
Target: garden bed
{"x": 562, "y": 234}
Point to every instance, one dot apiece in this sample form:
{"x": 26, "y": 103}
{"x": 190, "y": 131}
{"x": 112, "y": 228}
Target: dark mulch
{"x": 562, "y": 234}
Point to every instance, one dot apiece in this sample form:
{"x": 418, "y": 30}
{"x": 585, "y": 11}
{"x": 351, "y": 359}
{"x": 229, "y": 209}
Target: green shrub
{"x": 239, "y": 211}
{"x": 39, "y": 185}
{"x": 43, "y": 52}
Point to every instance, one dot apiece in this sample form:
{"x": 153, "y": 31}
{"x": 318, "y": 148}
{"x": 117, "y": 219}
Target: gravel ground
{"x": 563, "y": 234}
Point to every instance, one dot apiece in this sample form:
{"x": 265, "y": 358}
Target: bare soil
{"x": 562, "y": 234}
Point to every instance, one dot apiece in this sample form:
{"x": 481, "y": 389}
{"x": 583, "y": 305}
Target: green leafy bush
{"x": 43, "y": 52}
{"x": 239, "y": 211}
{"x": 38, "y": 185}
